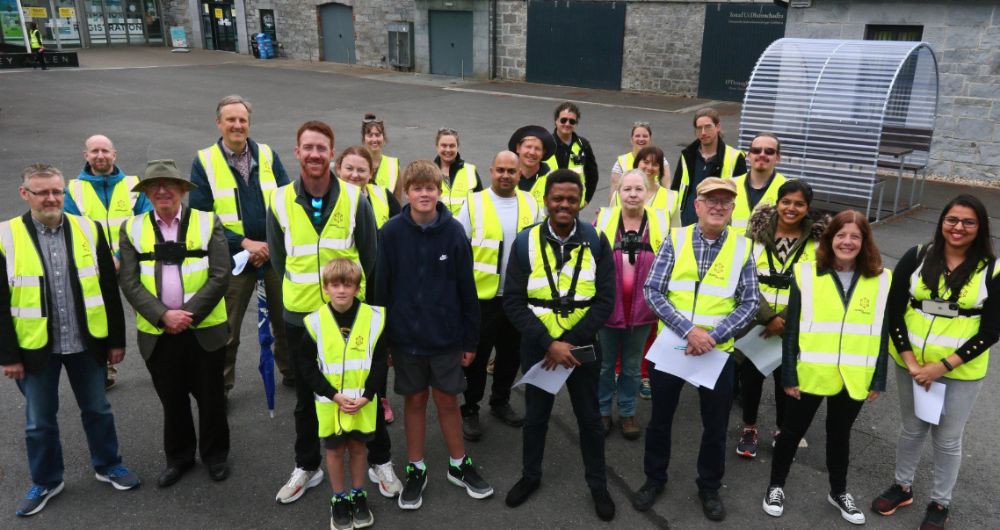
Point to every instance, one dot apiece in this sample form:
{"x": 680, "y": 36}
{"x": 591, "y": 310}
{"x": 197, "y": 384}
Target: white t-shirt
{"x": 506, "y": 208}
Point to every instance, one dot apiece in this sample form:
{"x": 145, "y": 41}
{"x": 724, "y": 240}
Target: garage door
{"x": 451, "y": 42}
{"x": 576, "y": 43}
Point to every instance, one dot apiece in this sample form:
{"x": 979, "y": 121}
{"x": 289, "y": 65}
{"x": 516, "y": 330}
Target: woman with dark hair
{"x": 944, "y": 314}
{"x": 572, "y": 150}
{"x": 354, "y": 166}
{"x": 459, "y": 177}
{"x": 384, "y": 167}
{"x": 832, "y": 351}
{"x": 650, "y": 160}
{"x": 781, "y": 236}
{"x": 641, "y": 136}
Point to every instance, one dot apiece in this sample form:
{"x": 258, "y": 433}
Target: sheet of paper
{"x": 765, "y": 354}
{"x": 548, "y": 380}
{"x": 928, "y": 404}
{"x": 240, "y": 260}
{"x": 667, "y": 353}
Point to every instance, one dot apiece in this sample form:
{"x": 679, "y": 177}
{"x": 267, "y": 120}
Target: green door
{"x": 735, "y": 37}
{"x": 451, "y": 42}
{"x": 576, "y": 43}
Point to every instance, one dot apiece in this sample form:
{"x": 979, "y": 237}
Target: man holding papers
{"x": 703, "y": 286}
{"x": 559, "y": 291}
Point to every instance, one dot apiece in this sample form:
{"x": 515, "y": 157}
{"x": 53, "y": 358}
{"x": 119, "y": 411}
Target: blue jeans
{"x": 41, "y": 392}
{"x": 627, "y": 342}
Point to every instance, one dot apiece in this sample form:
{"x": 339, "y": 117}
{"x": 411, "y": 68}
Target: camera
{"x": 778, "y": 280}
{"x": 172, "y": 253}
{"x": 631, "y": 244}
{"x": 577, "y": 158}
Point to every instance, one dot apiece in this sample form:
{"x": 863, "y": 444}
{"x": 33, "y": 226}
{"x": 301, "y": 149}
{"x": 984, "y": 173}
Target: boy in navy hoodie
{"x": 423, "y": 277}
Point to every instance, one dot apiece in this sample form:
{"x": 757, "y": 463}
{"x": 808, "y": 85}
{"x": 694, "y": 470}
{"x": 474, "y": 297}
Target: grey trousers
{"x": 946, "y": 437}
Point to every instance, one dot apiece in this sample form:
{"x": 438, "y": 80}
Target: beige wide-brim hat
{"x": 157, "y": 170}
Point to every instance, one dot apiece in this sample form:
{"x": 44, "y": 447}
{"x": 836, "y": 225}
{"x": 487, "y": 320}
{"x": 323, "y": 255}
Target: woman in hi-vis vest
{"x": 835, "y": 349}
{"x": 641, "y": 136}
{"x": 385, "y": 168}
{"x": 941, "y": 337}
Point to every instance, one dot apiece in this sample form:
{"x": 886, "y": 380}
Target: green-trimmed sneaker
{"x": 360, "y": 512}
{"x": 467, "y": 477}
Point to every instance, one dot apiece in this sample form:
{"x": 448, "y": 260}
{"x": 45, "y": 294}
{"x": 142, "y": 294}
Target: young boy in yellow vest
{"x": 350, "y": 360}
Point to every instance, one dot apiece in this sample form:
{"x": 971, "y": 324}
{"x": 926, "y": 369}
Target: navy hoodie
{"x": 423, "y": 277}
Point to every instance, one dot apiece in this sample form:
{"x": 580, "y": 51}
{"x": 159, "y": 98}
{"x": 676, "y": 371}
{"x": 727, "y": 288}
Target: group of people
{"x": 364, "y": 261}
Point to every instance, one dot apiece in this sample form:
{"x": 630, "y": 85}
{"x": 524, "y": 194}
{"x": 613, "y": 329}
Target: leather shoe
{"x": 172, "y": 474}
{"x": 647, "y": 495}
{"x": 521, "y": 491}
{"x": 505, "y": 413}
{"x": 218, "y": 472}
{"x": 603, "y": 505}
{"x": 711, "y": 504}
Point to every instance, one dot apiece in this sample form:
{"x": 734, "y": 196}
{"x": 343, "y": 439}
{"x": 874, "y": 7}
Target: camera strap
{"x": 791, "y": 260}
{"x": 642, "y": 230}
{"x": 181, "y": 235}
{"x": 557, "y": 302}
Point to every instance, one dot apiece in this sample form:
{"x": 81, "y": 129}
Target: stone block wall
{"x": 512, "y": 39}
{"x": 662, "y": 49}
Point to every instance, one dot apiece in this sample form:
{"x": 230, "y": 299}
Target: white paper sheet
{"x": 240, "y": 260}
{"x": 928, "y": 404}
{"x": 548, "y": 380}
{"x": 667, "y": 353}
{"x": 765, "y": 354}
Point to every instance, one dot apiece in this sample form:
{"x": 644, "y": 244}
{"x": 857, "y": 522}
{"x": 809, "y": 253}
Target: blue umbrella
{"x": 266, "y": 364}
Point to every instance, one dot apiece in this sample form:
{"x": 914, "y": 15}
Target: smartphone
{"x": 943, "y": 309}
{"x": 585, "y": 354}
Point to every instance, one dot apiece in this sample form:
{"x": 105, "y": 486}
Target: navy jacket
{"x": 423, "y": 277}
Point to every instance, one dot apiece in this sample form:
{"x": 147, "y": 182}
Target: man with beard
{"x": 707, "y": 156}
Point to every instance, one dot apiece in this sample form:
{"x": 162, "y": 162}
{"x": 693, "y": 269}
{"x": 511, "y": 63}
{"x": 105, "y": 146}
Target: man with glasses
{"x": 760, "y": 185}
{"x": 707, "y": 156}
{"x": 573, "y": 151}
{"x": 703, "y": 286}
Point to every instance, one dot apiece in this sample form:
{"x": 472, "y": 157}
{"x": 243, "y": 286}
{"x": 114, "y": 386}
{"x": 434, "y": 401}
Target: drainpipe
{"x": 493, "y": 39}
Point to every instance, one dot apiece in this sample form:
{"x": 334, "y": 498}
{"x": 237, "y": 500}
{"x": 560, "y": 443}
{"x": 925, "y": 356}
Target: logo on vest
{"x": 338, "y": 218}
{"x": 864, "y": 305}
{"x": 121, "y": 204}
{"x": 717, "y": 271}
{"x": 359, "y": 341}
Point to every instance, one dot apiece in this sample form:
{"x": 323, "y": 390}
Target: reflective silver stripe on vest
{"x": 148, "y": 269}
{"x": 7, "y": 240}
{"x": 26, "y": 281}
{"x": 195, "y": 266}
{"x": 538, "y": 283}
{"x": 303, "y": 277}
{"x": 86, "y": 272}
{"x": 837, "y": 327}
{"x": 91, "y": 302}
{"x": 229, "y": 217}
{"x": 865, "y": 361}
{"x": 807, "y": 311}
{"x": 209, "y": 167}
{"x": 492, "y": 244}
{"x": 26, "y": 312}
{"x": 937, "y": 340}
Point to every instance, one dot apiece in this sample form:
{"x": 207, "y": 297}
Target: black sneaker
{"x": 848, "y": 510}
{"x": 360, "y": 513}
{"x": 340, "y": 513}
{"x": 711, "y": 505}
{"x": 466, "y": 476}
{"x": 774, "y": 501}
{"x": 892, "y": 499}
{"x": 935, "y": 518}
{"x": 471, "y": 429}
{"x": 747, "y": 446}
{"x": 416, "y": 480}
{"x": 646, "y": 496}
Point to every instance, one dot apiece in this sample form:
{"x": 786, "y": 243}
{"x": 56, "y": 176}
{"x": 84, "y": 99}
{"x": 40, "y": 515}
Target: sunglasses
{"x": 570, "y": 121}
{"x": 447, "y": 130}
{"x": 769, "y": 151}
{"x": 371, "y": 120}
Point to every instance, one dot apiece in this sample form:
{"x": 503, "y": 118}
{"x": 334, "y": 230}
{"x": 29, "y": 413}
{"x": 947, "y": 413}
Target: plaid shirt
{"x": 655, "y": 291}
{"x": 243, "y": 162}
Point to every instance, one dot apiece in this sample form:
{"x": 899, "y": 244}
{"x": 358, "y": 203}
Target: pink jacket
{"x": 640, "y": 314}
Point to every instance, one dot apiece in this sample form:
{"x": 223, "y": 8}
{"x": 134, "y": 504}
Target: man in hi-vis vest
{"x": 235, "y": 177}
{"x": 707, "y": 156}
{"x": 703, "y": 286}
{"x": 59, "y": 307}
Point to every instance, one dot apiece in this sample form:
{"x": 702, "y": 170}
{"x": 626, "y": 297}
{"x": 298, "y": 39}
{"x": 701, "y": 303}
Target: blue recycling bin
{"x": 265, "y": 45}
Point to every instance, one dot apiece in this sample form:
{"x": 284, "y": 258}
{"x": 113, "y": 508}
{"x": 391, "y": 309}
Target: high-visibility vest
{"x": 742, "y": 212}
{"x": 538, "y": 190}
{"x": 487, "y": 240}
{"x": 732, "y": 154}
{"x": 936, "y": 337}
{"x": 388, "y": 173}
{"x": 838, "y": 348}
{"x": 706, "y": 301}
{"x": 541, "y": 299}
{"x": 36, "y": 39}
{"x": 453, "y": 196}
{"x": 656, "y": 220}
{"x": 377, "y": 197}
{"x": 776, "y": 297}
{"x": 26, "y": 277}
{"x": 346, "y": 365}
{"x": 576, "y": 149}
{"x": 194, "y": 268}
{"x": 307, "y": 252}
{"x": 225, "y": 193}
{"x": 664, "y": 200}
{"x": 118, "y": 210}
{"x": 625, "y": 161}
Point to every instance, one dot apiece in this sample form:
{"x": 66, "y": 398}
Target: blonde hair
{"x": 342, "y": 270}
{"x": 421, "y": 171}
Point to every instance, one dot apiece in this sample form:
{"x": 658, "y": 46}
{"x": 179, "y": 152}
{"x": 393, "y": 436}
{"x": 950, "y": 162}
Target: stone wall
{"x": 662, "y": 49}
{"x": 512, "y": 39}
{"x": 965, "y": 36}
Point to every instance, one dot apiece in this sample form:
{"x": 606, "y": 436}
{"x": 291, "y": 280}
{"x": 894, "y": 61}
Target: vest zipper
{"x": 694, "y": 303}
{"x": 923, "y": 350}
{"x": 343, "y": 368}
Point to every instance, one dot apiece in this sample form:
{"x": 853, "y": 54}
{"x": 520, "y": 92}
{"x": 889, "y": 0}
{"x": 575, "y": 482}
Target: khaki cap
{"x": 711, "y": 184}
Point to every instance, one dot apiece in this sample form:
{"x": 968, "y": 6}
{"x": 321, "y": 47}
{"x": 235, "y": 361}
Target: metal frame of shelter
{"x": 843, "y": 109}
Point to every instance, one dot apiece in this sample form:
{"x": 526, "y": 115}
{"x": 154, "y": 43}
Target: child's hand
{"x": 354, "y": 405}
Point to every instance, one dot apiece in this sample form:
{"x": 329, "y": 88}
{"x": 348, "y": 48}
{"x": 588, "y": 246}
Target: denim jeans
{"x": 628, "y": 343}
{"x": 41, "y": 392}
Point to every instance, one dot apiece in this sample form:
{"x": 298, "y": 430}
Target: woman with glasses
{"x": 573, "y": 151}
{"x": 835, "y": 349}
{"x": 384, "y": 167}
{"x": 354, "y": 166}
{"x": 944, "y": 314}
{"x": 460, "y": 178}
{"x": 641, "y": 136}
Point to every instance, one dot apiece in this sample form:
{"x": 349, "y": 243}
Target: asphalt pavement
{"x": 154, "y": 105}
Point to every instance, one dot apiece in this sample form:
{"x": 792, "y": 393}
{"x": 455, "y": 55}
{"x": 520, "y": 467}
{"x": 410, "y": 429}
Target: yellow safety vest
{"x": 119, "y": 207}
{"x": 194, "y": 269}
{"x": 706, "y": 301}
{"x": 540, "y": 295}
{"x": 388, "y": 173}
{"x": 538, "y": 190}
{"x": 777, "y": 297}
{"x": 838, "y": 348}
{"x": 225, "y": 193}
{"x": 664, "y": 200}
{"x": 741, "y": 212}
{"x": 453, "y": 196}
{"x": 26, "y": 277}
{"x": 36, "y": 39}
{"x": 487, "y": 237}
{"x": 656, "y": 220}
{"x": 346, "y": 365}
{"x": 307, "y": 252}
{"x": 377, "y": 197}
{"x": 732, "y": 154}
{"x": 577, "y": 150}
{"x": 625, "y": 162}
{"x": 936, "y": 337}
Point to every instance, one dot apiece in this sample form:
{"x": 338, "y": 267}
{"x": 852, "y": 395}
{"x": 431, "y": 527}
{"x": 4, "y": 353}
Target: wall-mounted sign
{"x": 67, "y": 12}
{"x": 218, "y": 12}
{"x": 37, "y": 12}
{"x": 178, "y": 37}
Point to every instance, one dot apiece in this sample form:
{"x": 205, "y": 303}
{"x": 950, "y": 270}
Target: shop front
{"x": 83, "y": 23}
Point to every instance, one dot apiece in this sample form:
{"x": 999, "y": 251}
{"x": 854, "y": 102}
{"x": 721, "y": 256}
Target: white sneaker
{"x": 774, "y": 501}
{"x": 848, "y": 510}
{"x": 300, "y": 481}
{"x": 388, "y": 484}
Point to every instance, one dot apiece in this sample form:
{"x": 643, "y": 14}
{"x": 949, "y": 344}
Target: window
{"x": 909, "y": 33}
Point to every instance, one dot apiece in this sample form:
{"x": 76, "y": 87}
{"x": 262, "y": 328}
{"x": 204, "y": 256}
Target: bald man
{"x": 491, "y": 219}
{"x": 103, "y": 193}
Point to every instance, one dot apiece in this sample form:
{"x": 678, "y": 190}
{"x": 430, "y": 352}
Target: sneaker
{"x": 36, "y": 499}
{"x": 340, "y": 513}
{"x": 119, "y": 477}
{"x": 747, "y": 446}
{"x": 109, "y": 383}
{"x": 467, "y": 477}
{"x": 935, "y": 518}
{"x": 387, "y": 409}
{"x": 360, "y": 512}
{"x": 297, "y": 484}
{"x": 645, "y": 390}
{"x": 774, "y": 501}
{"x": 412, "y": 496}
{"x": 891, "y": 500}
{"x": 472, "y": 431}
{"x": 848, "y": 510}
{"x": 385, "y": 476}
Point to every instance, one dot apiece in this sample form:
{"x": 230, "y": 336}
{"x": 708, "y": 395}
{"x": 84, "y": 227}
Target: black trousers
{"x": 496, "y": 332}
{"x": 751, "y": 389}
{"x": 307, "y": 443}
{"x": 841, "y": 411}
{"x": 180, "y": 367}
{"x": 582, "y": 387}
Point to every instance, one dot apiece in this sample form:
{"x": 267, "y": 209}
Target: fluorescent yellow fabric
{"x": 117, "y": 212}
{"x": 742, "y": 212}
{"x": 487, "y": 237}
{"x": 388, "y": 173}
{"x": 539, "y": 289}
{"x": 224, "y": 188}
